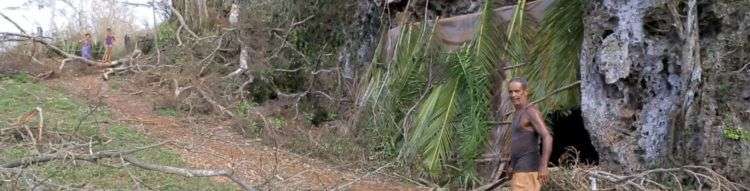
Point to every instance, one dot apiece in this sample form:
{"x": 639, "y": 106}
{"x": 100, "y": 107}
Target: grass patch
{"x": 166, "y": 111}
{"x": 18, "y": 95}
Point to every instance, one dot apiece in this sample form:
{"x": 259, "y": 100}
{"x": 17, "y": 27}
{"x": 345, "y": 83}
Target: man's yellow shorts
{"x": 525, "y": 181}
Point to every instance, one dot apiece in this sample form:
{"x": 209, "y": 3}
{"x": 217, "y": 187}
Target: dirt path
{"x": 214, "y": 146}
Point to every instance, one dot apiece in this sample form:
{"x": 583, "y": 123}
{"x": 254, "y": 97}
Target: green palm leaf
{"x": 434, "y": 129}
{"x": 476, "y": 64}
{"x": 555, "y": 57}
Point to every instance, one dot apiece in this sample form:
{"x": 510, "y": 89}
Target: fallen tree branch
{"x": 85, "y": 157}
{"x": 218, "y": 47}
{"x": 32, "y": 181}
{"x": 21, "y": 122}
{"x": 714, "y": 179}
{"x": 177, "y": 35}
{"x": 14, "y": 23}
{"x": 116, "y": 66}
{"x": 182, "y": 21}
{"x": 243, "y": 63}
{"x": 177, "y": 89}
{"x": 313, "y": 72}
{"x": 187, "y": 172}
{"x": 33, "y": 52}
{"x": 741, "y": 69}
{"x": 71, "y": 57}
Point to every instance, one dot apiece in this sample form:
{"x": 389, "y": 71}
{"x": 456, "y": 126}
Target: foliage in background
{"x": 734, "y": 131}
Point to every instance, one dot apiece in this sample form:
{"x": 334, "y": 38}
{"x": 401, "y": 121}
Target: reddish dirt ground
{"x": 214, "y": 146}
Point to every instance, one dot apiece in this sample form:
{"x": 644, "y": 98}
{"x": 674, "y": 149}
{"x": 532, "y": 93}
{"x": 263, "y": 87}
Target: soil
{"x": 214, "y": 145}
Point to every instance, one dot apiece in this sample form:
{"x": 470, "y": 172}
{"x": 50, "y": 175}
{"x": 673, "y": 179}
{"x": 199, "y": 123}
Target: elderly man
{"x": 528, "y": 165}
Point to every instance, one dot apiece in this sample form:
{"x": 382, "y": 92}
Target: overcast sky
{"x": 29, "y": 14}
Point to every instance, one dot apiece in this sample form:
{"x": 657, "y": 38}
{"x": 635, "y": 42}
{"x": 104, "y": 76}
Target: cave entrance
{"x": 571, "y": 141}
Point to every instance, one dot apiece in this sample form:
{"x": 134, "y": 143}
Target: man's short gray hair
{"x": 523, "y": 81}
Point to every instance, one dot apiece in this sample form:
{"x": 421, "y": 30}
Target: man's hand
{"x": 543, "y": 175}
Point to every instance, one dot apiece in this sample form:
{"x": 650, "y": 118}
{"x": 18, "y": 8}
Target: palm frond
{"x": 396, "y": 83}
{"x": 555, "y": 57}
{"x": 476, "y": 64}
{"x": 433, "y": 134}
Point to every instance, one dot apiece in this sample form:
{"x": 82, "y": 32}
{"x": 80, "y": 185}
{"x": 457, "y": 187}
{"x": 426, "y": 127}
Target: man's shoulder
{"x": 532, "y": 108}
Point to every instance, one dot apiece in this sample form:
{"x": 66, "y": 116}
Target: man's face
{"x": 518, "y": 94}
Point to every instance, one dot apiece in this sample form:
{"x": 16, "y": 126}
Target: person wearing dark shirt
{"x": 528, "y": 165}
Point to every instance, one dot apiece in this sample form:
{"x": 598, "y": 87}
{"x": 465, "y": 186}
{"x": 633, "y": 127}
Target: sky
{"x": 30, "y": 15}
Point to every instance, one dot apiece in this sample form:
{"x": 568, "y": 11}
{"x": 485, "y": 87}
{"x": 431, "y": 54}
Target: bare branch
{"x": 313, "y": 72}
{"x": 177, "y": 35}
{"x": 182, "y": 21}
{"x": 187, "y": 172}
{"x": 69, "y": 57}
{"x": 177, "y": 89}
{"x": 88, "y": 157}
{"x": 243, "y": 62}
{"x": 14, "y": 23}
{"x": 301, "y": 22}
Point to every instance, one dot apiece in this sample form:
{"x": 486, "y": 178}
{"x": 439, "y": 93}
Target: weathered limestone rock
{"x": 649, "y": 79}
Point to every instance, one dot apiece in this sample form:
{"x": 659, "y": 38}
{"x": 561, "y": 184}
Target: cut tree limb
{"x": 62, "y": 156}
{"x": 15, "y": 167}
{"x": 187, "y": 172}
{"x": 116, "y": 66}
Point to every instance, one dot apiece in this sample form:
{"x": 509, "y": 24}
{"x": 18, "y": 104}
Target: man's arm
{"x": 538, "y": 123}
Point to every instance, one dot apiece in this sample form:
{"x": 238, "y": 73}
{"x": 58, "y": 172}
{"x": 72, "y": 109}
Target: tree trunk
{"x": 648, "y": 98}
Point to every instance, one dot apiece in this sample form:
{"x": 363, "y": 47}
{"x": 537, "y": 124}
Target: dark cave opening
{"x": 571, "y": 141}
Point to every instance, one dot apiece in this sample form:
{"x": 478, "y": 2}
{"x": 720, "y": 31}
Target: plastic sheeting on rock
{"x": 451, "y": 33}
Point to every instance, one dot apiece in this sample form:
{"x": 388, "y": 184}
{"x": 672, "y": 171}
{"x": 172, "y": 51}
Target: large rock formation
{"x": 652, "y": 74}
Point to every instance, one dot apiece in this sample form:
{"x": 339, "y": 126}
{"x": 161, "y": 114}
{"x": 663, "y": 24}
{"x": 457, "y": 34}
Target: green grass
{"x": 18, "y": 95}
{"x": 166, "y": 111}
